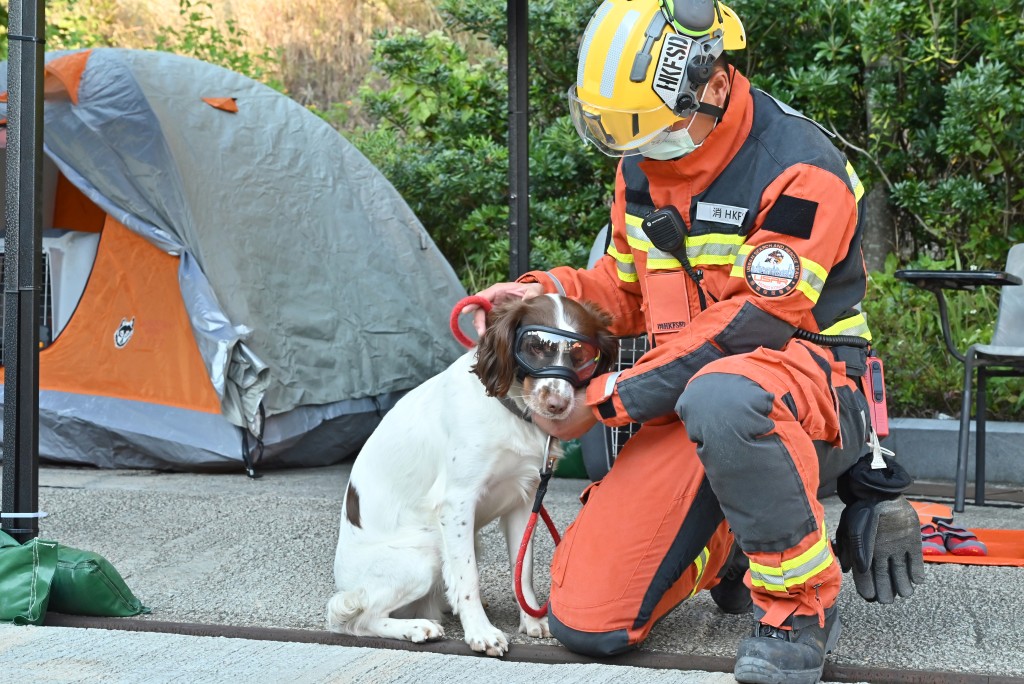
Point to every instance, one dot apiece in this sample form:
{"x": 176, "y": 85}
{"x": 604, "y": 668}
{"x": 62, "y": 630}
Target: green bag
{"x": 43, "y": 575}
{"x": 87, "y": 584}
{"x": 26, "y": 573}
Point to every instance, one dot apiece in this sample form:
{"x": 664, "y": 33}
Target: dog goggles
{"x": 544, "y": 352}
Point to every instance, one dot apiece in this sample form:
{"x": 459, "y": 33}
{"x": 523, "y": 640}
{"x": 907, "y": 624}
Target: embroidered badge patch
{"x": 772, "y": 269}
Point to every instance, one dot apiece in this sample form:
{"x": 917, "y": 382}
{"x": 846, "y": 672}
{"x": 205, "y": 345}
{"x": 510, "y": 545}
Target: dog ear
{"x": 607, "y": 343}
{"x": 495, "y": 364}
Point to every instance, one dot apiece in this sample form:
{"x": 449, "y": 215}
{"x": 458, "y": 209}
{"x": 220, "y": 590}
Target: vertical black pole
{"x": 518, "y": 139}
{"x": 22, "y": 258}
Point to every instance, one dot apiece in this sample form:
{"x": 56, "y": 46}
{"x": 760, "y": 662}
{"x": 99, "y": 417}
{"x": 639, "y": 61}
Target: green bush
{"x": 922, "y": 379}
{"x": 441, "y": 137}
{"x": 923, "y": 98}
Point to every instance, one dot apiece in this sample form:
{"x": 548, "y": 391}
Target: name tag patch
{"x": 772, "y": 269}
{"x": 721, "y": 213}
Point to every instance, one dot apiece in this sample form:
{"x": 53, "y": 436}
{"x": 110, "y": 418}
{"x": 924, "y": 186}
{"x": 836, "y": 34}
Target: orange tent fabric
{"x": 133, "y": 284}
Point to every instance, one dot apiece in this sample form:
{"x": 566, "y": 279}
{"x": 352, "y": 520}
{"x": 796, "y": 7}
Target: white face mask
{"x": 674, "y": 145}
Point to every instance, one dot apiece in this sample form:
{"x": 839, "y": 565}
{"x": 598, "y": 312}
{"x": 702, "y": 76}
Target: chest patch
{"x": 772, "y": 269}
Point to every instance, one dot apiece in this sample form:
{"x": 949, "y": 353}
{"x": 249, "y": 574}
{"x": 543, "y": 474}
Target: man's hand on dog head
{"x": 498, "y": 293}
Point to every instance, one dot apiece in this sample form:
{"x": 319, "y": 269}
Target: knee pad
{"x": 724, "y": 410}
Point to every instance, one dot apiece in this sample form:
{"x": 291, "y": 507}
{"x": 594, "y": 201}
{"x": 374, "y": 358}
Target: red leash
{"x": 545, "y": 473}
{"x": 542, "y": 488}
{"x": 453, "y": 322}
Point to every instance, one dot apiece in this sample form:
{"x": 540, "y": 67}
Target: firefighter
{"x": 735, "y": 246}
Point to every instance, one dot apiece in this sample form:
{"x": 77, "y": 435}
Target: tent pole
{"x": 22, "y": 258}
{"x": 518, "y": 139}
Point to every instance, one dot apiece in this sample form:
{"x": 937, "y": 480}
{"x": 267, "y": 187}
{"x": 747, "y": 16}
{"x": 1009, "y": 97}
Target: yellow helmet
{"x": 640, "y": 65}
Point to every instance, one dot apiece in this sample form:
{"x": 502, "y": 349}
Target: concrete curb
{"x": 927, "y": 448}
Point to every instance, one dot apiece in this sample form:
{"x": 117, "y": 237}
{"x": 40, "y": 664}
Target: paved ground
{"x": 254, "y": 554}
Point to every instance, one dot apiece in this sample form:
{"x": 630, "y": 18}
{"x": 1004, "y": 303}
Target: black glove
{"x": 879, "y": 534}
{"x": 881, "y": 542}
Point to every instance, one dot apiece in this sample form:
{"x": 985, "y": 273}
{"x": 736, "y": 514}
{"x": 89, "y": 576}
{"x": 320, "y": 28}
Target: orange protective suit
{"x": 741, "y": 421}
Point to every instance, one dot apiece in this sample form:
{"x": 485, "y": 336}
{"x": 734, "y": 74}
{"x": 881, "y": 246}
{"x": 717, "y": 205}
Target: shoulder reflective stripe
{"x": 737, "y": 264}
{"x": 855, "y": 325}
{"x": 794, "y": 571}
{"x": 701, "y": 562}
{"x": 858, "y": 187}
{"x": 557, "y": 283}
{"x": 812, "y": 279}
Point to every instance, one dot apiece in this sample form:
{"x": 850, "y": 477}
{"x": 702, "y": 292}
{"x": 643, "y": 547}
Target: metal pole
{"x": 518, "y": 139}
{"x": 22, "y": 258}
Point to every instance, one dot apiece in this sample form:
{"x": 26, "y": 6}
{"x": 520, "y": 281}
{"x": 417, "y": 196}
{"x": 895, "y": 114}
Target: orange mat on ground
{"x": 1005, "y": 547}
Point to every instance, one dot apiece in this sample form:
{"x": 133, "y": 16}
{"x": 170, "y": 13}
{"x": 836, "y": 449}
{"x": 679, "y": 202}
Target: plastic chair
{"x": 1003, "y": 356}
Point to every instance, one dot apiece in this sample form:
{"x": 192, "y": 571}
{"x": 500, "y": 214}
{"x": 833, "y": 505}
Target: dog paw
{"x": 535, "y": 627}
{"x": 419, "y": 631}
{"x": 489, "y": 640}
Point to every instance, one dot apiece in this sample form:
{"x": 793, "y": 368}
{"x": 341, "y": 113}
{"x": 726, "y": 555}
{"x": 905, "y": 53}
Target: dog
{"x": 454, "y": 454}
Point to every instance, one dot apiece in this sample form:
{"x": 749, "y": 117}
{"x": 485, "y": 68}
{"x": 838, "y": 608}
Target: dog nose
{"x": 557, "y": 404}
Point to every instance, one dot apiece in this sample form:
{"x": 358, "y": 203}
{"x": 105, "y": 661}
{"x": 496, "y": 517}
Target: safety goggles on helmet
{"x": 641, "y": 64}
{"x": 605, "y": 127}
{"x": 544, "y": 352}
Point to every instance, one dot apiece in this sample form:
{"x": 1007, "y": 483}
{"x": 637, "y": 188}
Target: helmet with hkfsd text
{"x": 641, "y": 64}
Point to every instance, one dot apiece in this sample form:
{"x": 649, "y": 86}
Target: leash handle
{"x": 453, "y": 322}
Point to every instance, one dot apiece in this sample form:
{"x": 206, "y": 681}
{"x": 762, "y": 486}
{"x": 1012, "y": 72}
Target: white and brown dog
{"x": 454, "y": 454}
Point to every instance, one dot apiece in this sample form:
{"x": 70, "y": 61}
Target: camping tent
{"x": 222, "y": 271}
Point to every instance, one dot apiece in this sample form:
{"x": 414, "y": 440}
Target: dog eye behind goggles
{"x": 545, "y": 352}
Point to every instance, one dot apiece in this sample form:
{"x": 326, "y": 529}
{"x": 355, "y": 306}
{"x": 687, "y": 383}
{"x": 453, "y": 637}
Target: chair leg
{"x": 960, "y": 494}
{"x": 979, "y": 450}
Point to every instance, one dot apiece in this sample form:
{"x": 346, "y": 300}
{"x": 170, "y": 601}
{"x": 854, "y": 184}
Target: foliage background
{"x": 923, "y": 97}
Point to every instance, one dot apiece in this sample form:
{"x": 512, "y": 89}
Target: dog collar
{"x": 512, "y": 406}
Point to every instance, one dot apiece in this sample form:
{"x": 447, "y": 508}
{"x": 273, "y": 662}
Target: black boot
{"x": 731, "y": 595}
{"x": 793, "y": 656}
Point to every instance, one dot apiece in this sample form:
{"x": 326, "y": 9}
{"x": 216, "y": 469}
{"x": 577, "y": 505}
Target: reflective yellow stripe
{"x": 858, "y": 187}
{"x": 701, "y": 562}
{"x": 621, "y": 257}
{"x": 627, "y": 277}
{"x": 712, "y": 249}
{"x": 737, "y": 264}
{"x": 854, "y": 325}
{"x": 794, "y": 571}
{"x": 625, "y": 265}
